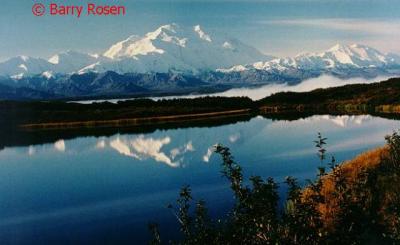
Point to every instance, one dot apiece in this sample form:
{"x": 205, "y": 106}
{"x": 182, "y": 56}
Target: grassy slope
{"x": 381, "y": 194}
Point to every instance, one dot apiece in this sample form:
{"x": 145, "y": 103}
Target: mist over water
{"x": 323, "y": 81}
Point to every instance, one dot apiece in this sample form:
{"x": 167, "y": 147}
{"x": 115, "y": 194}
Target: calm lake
{"x": 105, "y": 189}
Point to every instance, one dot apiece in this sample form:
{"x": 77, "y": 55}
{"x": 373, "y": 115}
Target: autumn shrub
{"x": 356, "y": 202}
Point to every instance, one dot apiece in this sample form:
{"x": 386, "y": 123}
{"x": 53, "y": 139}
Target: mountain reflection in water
{"x": 107, "y": 184}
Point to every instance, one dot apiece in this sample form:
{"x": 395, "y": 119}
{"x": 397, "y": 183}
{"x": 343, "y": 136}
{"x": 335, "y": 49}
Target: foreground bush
{"x": 358, "y": 202}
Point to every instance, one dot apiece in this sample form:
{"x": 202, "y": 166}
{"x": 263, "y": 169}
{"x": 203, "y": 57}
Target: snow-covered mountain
{"x": 175, "y": 48}
{"x": 212, "y": 58}
{"x": 63, "y": 63}
{"x": 22, "y": 65}
{"x": 168, "y": 48}
{"x": 339, "y": 57}
{"x": 71, "y": 61}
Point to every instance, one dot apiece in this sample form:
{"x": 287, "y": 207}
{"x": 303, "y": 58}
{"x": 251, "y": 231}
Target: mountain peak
{"x": 339, "y": 56}
{"x": 357, "y": 45}
{"x": 164, "y": 30}
{"x": 350, "y": 48}
{"x": 55, "y": 59}
{"x": 361, "y": 46}
{"x": 360, "y": 55}
{"x": 338, "y": 47}
{"x": 135, "y": 46}
{"x": 178, "y": 48}
{"x": 23, "y": 57}
{"x": 201, "y": 33}
{"x": 173, "y": 27}
{"x": 118, "y": 48}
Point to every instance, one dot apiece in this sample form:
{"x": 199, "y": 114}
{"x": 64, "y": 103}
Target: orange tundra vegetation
{"x": 354, "y": 174}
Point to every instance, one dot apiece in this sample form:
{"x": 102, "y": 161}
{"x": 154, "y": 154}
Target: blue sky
{"x": 278, "y": 27}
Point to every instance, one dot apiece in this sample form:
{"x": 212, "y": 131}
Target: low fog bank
{"x": 323, "y": 81}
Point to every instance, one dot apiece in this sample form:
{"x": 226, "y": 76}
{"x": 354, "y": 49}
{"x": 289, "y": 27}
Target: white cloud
{"x": 181, "y": 150}
{"x": 142, "y": 148}
{"x": 175, "y": 152}
{"x": 149, "y": 147}
{"x": 344, "y": 121}
{"x": 101, "y": 144}
{"x": 122, "y": 148}
{"x": 59, "y": 145}
{"x": 323, "y": 81}
{"x": 189, "y": 146}
{"x": 234, "y": 137}
{"x": 206, "y": 157}
{"x": 31, "y": 150}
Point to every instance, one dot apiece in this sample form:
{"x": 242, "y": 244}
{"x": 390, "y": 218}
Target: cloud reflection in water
{"x": 142, "y": 148}
{"x": 60, "y": 145}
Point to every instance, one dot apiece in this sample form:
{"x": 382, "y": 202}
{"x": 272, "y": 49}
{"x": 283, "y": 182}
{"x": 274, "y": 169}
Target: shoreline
{"x": 140, "y": 121}
{"x": 273, "y": 111}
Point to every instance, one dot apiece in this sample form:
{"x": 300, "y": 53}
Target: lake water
{"x": 106, "y": 189}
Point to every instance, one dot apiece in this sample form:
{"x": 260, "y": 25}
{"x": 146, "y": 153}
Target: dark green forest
{"x": 58, "y": 111}
{"x": 386, "y": 92}
{"x": 383, "y": 97}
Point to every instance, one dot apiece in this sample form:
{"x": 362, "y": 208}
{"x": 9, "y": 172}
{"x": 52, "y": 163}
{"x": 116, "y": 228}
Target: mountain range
{"x": 339, "y": 57}
{"x": 175, "y": 59}
{"x": 170, "y": 48}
